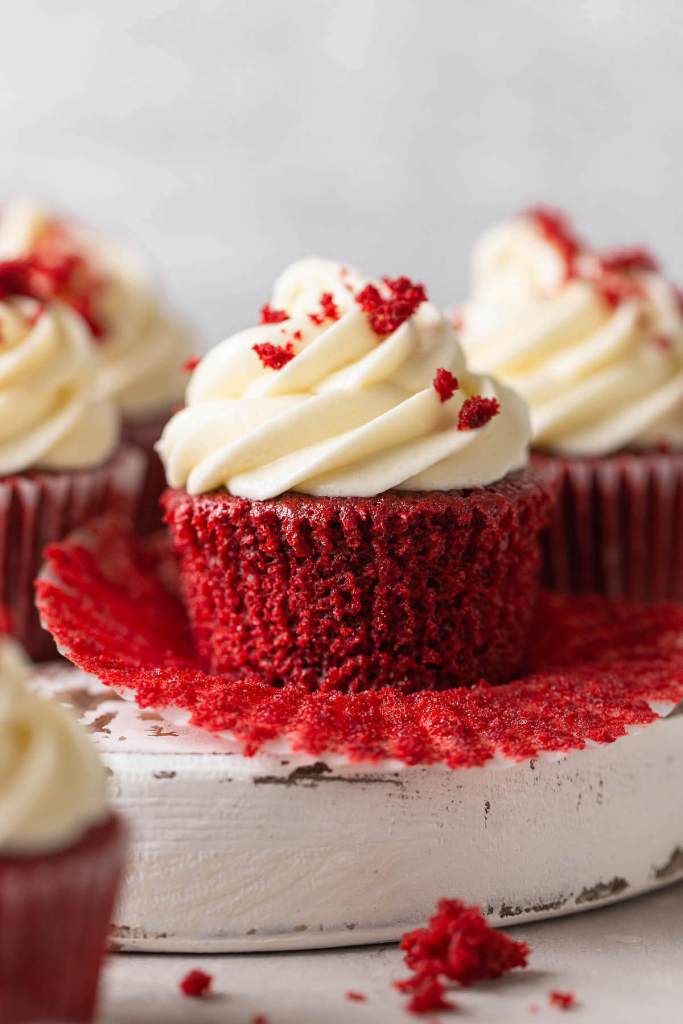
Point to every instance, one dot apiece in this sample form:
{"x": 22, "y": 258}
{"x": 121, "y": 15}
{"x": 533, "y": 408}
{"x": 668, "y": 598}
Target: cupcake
{"x": 61, "y": 460}
{"x": 141, "y": 347}
{"x": 594, "y": 343}
{"x": 61, "y": 856}
{"x": 349, "y": 504}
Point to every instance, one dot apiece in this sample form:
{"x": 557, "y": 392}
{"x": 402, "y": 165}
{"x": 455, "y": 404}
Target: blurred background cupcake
{"x": 351, "y": 507}
{"x": 61, "y": 856}
{"x": 594, "y": 343}
{"x": 61, "y": 457}
{"x": 141, "y": 346}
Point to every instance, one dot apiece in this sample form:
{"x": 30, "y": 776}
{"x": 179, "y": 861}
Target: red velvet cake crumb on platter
{"x": 413, "y": 590}
{"x": 196, "y": 984}
{"x": 562, "y": 1000}
{"x": 595, "y": 670}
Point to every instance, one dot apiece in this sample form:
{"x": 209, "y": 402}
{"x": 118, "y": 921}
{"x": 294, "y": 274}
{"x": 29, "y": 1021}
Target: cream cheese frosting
{"x": 50, "y": 415}
{"x": 318, "y": 401}
{"x": 52, "y": 783}
{"x": 142, "y": 348}
{"x": 594, "y": 344}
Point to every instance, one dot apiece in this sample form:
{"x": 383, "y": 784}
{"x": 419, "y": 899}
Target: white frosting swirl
{"x": 351, "y": 414}
{"x": 50, "y": 416}
{"x": 52, "y": 783}
{"x": 598, "y": 377}
{"x": 143, "y": 347}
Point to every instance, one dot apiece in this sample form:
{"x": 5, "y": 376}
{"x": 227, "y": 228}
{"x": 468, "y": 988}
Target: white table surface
{"x": 624, "y": 964}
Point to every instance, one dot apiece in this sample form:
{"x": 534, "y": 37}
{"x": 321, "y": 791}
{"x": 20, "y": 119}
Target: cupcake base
{"x": 40, "y": 508}
{"x": 55, "y": 911}
{"x": 412, "y": 590}
{"x": 617, "y": 527}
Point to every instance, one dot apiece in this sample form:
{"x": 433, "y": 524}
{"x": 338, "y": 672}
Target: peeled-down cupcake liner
{"x": 38, "y": 509}
{"x": 617, "y": 528}
{"x": 144, "y": 434}
{"x": 55, "y": 912}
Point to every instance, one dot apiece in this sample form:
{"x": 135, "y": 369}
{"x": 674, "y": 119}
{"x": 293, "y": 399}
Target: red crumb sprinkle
{"x": 196, "y": 984}
{"x": 260, "y": 1018}
{"x": 562, "y": 1000}
{"x": 445, "y": 384}
{"x": 477, "y": 412}
{"x": 629, "y": 260}
{"x": 459, "y": 945}
{"x": 274, "y": 357}
{"x": 386, "y": 312}
{"x": 191, "y": 364}
{"x": 356, "y": 997}
{"x": 272, "y": 316}
{"x": 329, "y": 307}
{"x": 557, "y": 229}
{"x": 427, "y": 995}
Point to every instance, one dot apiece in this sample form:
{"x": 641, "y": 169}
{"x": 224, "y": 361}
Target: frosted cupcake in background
{"x": 141, "y": 347}
{"x": 351, "y": 506}
{"x": 594, "y": 343}
{"x": 61, "y": 856}
{"x": 61, "y": 457}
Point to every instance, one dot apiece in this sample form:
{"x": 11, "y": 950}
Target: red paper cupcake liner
{"x": 55, "y": 911}
{"x": 144, "y": 434}
{"x": 617, "y": 528}
{"x": 597, "y": 669}
{"x": 43, "y": 507}
{"x": 414, "y": 590}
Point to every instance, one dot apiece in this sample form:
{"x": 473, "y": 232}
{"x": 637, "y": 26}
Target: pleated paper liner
{"x": 597, "y": 670}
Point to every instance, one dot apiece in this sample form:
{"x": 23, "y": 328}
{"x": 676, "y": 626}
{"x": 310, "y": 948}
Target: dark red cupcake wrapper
{"x": 144, "y": 434}
{"x": 55, "y": 911}
{"x": 617, "y": 528}
{"x": 40, "y": 508}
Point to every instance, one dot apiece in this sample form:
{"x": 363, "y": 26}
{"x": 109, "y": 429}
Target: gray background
{"x": 229, "y": 138}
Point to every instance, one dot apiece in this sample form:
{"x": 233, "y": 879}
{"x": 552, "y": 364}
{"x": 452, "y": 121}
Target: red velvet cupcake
{"x": 350, "y": 507}
{"x": 61, "y": 858}
{"x": 141, "y": 347}
{"x": 60, "y": 456}
{"x": 594, "y": 342}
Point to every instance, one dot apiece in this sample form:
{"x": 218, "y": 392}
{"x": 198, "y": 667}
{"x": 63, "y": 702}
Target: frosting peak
{"x": 141, "y": 348}
{"x": 338, "y": 398}
{"x": 52, "y": 784}
{"x": 594, "y": 342}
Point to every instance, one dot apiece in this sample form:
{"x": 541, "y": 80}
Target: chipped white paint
{"x": 274, "y": 852}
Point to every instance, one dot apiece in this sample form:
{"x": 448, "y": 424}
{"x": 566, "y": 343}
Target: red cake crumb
{"x": 387, "y": 312}
{"x": 329, "y": 306}
{"x": 562, "y": 1000}
{"x": 272, "y": 356}
{"x": 260, "y": 1018}
{"x": 477, "y": 411}
{"x": 196, "y": 984}
{"x": 356, "y": 997}
{"x": 273, "y": 316}
{"x": 191, "y": 364}
{"x": 630, "y": 259}
{"x": 427, "y": 995}
{"x": 556, "y": 228}
{"x": 459, "y": 944}
{"x": 445, "y": 384}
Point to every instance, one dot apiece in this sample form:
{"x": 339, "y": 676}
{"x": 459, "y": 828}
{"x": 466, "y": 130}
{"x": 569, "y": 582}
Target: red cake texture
{"x": 457, "y": 945}
{"x": 617, "y": 528}
{"x": 595, "y": 669}
{"x": 562, "y": 1000}
{"x": 55, "y": 911}
{"x": 196, "y": 984}
{"x": 412, "y": 590}
{"x": 38, "y": 508}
